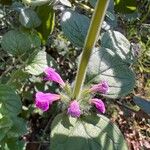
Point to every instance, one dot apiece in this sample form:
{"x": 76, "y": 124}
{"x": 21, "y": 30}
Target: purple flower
{"x": 52, "y": 75}
{"x": 43, "y": 100}
{"x": 98, "y": 103}
{"x": 74, "y": 109}
{"x": 102, "y": 87}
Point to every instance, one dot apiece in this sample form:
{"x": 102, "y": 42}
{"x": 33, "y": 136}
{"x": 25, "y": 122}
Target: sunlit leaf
{"x": 75, "y": 27}
{"x": 87, "y": 133}
{"x": 28, "y": 18}
{"x": 106, "y": 65}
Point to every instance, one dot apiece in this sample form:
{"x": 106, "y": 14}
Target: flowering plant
{"x": 76, "y": 110}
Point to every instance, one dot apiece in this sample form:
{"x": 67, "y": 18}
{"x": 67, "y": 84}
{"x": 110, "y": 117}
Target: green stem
{"x": 94, "y": 29}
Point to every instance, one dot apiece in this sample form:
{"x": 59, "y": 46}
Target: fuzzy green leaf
{"x": 75, "y": 27}
{"x": 10, "y": 103}
{"x": 119, "y": 44}
{"x": 18, "y": 43}
{"x": 28, "y": 18}
{"x": 87, "y": 133}
{"x": 106, "y": 65}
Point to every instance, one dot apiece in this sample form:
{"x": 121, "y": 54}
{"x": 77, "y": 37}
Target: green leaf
{"x": 47, "y": 17}
{"x": 18, "y": 128}
{"x": 18, "y": 43}
{"x": 88, "y": 133}
{"x": 107, "y": 65}
{"x": 28, "y": 18}
{"x": 143, "y": 104}
{"x": 119, "y": 44}
{"x": 75, "y": 27}
{"x": 110, "y": 14}
{"x": 10, "y": 102}
{"x": 5, "y": 125}
{"x": 38, "y": 63}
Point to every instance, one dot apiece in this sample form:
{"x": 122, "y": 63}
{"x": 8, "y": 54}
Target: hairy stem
{"x": 94, "y": 29}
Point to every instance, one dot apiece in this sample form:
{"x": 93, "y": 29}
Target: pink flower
{"x": 74, "y": 109}
{"x": 52, "y": 75}
{"x": 98, "y": 103}
{"x": 102, "y": 87}
{"x": 44, "y": 100}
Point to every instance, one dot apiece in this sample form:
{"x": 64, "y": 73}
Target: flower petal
{"x": 52, "y": 75}
{"x": 102, "y": 87}
{"x": 98, "y": 103}
{"x": 43, "y": 100}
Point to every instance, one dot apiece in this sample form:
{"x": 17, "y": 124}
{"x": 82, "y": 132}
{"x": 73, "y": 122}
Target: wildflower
{"x": 52, "y": 75}
{"x": 44, "y": 100}
{"x": 102, "y": 87}
{"x": 74, "y": 109}
{"x": 98, "y": 103}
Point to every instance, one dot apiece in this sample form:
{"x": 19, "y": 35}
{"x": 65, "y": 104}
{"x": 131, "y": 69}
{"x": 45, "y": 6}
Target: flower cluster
{"x": 44, "y": 100}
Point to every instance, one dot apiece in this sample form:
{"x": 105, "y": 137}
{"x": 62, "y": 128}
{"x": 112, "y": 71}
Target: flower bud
{"x": 74, "y": 109}
{"x": 52, "y": 75}
{"x": 98, "y": 103}
{"x": 102, "y": 87}
{"x": 43, "y": 100}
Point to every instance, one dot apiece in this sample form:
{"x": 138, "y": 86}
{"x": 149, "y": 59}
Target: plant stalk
{"x": 91, "y": 38}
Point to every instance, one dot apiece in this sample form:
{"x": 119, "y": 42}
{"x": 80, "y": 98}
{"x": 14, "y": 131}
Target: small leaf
{"x": 10, "y": 102}
{"x": 18, "y": 43}
{"x": 28, "y": 18}
{"x": 75, "y": 27}
{"x": 47, "y": 16}
{"x": 119, "y": 44}
{"x": 88, "y": 133}
{"x": 38, "y": 63}
{"x": 143, "y": 104}
{"x": 106, "y": 65}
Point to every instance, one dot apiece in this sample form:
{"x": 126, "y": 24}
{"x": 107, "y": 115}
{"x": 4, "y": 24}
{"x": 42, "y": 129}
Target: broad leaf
{"x": 38, "y": 63}
{"x": 88, "y": 133}
{"x": 18, "y": 43}
{"x": 119, "y": 44}
{"x": 75, "y": 27}
{"x": 28, "y": 18}
{"x": 143, "y": 104}
{"x": 47, "y": 17}
{"x": 106, "y": 65}
{"x": 10, "y": 102}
